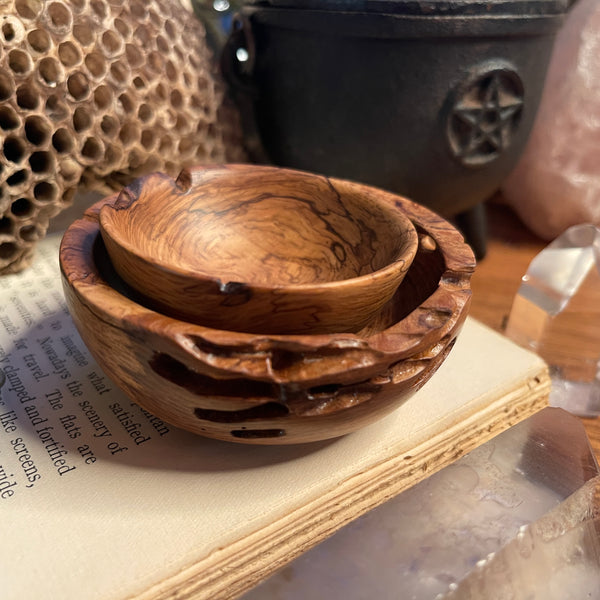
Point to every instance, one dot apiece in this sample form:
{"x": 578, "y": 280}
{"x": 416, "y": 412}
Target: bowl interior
{"x": 259, "y": 226}
{"x": 420, "y": 282}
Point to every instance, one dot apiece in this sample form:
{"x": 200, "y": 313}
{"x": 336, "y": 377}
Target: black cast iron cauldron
{"x": 433, "y": 99}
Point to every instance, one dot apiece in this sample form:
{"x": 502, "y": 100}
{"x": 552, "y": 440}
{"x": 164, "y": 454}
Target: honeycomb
{"x": 94, "y": 93}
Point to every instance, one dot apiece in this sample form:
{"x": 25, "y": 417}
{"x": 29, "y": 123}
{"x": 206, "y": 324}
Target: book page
{"x": 99, "y": 499}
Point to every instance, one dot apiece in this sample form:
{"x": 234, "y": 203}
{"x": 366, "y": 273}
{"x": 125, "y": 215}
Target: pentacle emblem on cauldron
{"x": 484, "y": 115}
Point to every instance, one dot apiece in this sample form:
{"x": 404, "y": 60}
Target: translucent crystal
{"x": 556, "y": 313}
{"x": 426, "y": 541}
{"x": 555, "y": 558}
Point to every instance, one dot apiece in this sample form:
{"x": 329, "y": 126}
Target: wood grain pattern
{"x": 260, "y": 249}
{"x": 261, "y": 388}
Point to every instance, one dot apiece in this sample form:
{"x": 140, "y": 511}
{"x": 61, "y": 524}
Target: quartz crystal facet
{"x": 534, "y": 488}
{"x": 556, "y": 313}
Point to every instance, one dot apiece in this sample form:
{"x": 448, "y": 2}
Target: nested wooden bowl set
{"x": 264, "y": 305}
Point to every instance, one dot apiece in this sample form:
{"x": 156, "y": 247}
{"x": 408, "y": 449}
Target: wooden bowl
{"x": 270, "y": 389}
{"x": 259, "y": 249}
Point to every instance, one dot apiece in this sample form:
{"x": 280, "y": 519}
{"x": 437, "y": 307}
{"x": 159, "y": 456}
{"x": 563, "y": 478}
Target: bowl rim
{"x": 186, "y": 180}
{"x": 362, "y": 355}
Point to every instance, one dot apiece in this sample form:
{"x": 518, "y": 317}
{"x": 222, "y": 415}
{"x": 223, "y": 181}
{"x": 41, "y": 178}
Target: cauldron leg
{"x": 472, "y": 224}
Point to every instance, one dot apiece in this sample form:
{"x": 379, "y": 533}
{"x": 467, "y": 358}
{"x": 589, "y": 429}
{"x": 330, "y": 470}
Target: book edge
{"x": 229, "y": 572}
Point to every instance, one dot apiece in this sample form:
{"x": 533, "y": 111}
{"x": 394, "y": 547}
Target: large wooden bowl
{"x": 270, "y": 389}
{"x": 259, "y": 249}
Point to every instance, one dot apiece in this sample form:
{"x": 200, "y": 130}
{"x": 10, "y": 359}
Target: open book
{"x": 101, "y": 500}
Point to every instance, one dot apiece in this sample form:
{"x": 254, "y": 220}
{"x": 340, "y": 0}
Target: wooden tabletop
{"x": 511, "y": 247}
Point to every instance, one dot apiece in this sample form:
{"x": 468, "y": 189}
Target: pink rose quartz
{"x": 556, "y": 183}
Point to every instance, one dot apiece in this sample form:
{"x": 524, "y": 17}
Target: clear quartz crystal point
{"x": 556, "y": 313}
{"x": 554, "y": 558}
{"x": 422, "y": 544}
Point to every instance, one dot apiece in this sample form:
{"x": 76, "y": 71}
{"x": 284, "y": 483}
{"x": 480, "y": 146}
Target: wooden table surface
{"x": 511, "y": 247}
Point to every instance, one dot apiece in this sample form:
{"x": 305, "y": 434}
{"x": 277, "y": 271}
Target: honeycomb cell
{"x": 78, "y": 86}
{"x": 99, "y": 8}
{"x": 119, "y": 73}
{"x": 92, "y": 149}
{"x": 14, "y": 149}
{"x": 70, "y": 169}
{"x": 6, "y": 86}
{"x": 9, "y": 119}
{"x": 6, "y": 225}
{"x": 143, "y": 36}
{"x": 161, "y": 92}
{"x": 135, "y": 159}
{"x": 155, "y": 61}
{"x": 96, "y": 64}
{"x": 134, "y": 57}
{"x": 22, "y": 207}
{"x": 37, "y": 130}
{"x": 62, "y": 140}
{"x": 69, "y": 54}
{"x": 19, "y": 62}
{"x": 122, "y": 28}
{"x": 186, "y": 146}
{"x": 44, "y": 191}
{"x": 8, "y": 250}
{"x": 139, "y": 83}
{"x": 39, "y": 41}
{"x": 84, "y": 34}
{"x": 41, "y": 162}
{"x": 28, "y": 9}
{"x": 29, "y": 233}
{"x": 148, "y": 139}
{"x": 129, "y": 134}
{"x": 68, "y": 195}
{"x": 82, "y": 119}
{"x": 113, "y": 155}
{"x": 51, "y": 71}
{"x": 103, "y": 96}
{"x": 59, "y": 18}
{"x": 166, "y": 145}
{"x": 145, "y": 113}
{"x": 176, "y": 99}
{"x": 179, "y": 54}
{"x": 112, "y": 43}
{"x": 56, "y": 109}
{"x": 127, "y": 103}
{"x": 17, "y": 180}
{"x": 182, "y": 125}
{"x": 170, "y": 29}
{"x": 171, "y": 71}
{"x": 138, "y": 11}
{"x": 78, "y": 6}
{"x": 162, "y": 44}
{"x": 170, "y": 166}
{"x": 155, "y": 18}
{"x": 109, "y": 126}
{"x": 12, "y": 30}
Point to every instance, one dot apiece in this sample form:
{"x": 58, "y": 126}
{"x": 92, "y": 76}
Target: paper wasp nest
{"x": 93, "y": 93}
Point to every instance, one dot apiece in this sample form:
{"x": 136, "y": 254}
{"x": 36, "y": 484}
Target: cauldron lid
{"x": 434, "y": 8}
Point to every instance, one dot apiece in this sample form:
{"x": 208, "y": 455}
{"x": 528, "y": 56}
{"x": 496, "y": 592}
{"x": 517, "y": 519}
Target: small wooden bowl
{"x": 270, "y": 389}
{"x": 260, "y": 249}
